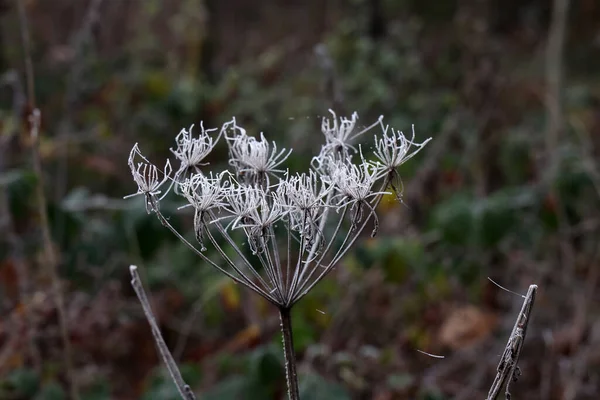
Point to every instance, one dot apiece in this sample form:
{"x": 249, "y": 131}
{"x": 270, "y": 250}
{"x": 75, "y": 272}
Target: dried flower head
{"x": 204, "y": 193}
{"x": 305, "y": 197}
{"x": 254, "y": 159}
{"x": 355, "y": 187}
{"x": 394, "y": 150}
{"x": 299, "y": 227}
{"x": 339, "y": 135}
{"x": 256, "y": 212}
{"x": 305, "y": 213}
{"x": 192, "y": 151}
{"x": 148, "y": 178}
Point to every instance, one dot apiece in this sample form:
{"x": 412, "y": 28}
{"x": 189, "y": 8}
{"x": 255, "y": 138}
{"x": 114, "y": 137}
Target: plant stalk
{"x": 288, "y": 350}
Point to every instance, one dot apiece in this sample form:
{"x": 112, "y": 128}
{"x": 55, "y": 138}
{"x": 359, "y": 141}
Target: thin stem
{"x": 316, "y": 264}
{"x": 301, "y": 250}
{"x": 166, "y": 223}
{"x": 289, "y": 353}
{"x": 288, "y": 260}
{"x": 341, "y": 252}
{"x": 238, "y": 251}
{"x": 277, "y": 261}
{"x": 34, "y": 120}
{"x": 184, "y": 390}
{"x": 233, "y": 265}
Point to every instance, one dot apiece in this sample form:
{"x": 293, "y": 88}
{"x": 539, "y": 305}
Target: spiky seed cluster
{"x": 304, "y": 197}
{"x": 255, "y": 160}
{"x": 394, "y": 150}
{"x": 191, "y": 151}
{"x": 204, "y": 193}
{"x": 355, "y": 187}
{"x": 340, "y": 134}
{"x": 294, "y": 224}
{"x": 148, "y": 178}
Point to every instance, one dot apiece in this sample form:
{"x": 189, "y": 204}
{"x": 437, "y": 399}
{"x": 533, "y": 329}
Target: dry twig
{"x": 508, "y": 370}
{"x": 51, "y": 262}
{"x": 554, "y": 63}
{"x": 184, "y": 390}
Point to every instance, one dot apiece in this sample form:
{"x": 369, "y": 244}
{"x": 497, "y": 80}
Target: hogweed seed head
{"x": 314, "y": 218}
{"x": 304, "y": 196}
{"x": 147, "y": 177}
{"x": 394, "y": 150}
{"x": 205, "y": 192}
{"x": 191, "y": 151}
{"x": 254, "y": 159}
{"x": 339, "y": 134}
{"x": 297, "y": 228}
{"x": 354, "y": 181}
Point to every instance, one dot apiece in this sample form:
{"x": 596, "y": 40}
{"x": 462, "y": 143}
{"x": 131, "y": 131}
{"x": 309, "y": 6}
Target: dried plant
{"x": 508, "y": 370}
{"x": 297, "y": 226}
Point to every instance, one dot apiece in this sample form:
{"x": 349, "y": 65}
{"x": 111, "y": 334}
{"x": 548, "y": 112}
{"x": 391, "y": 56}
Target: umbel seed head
{"x": 296, "y": 226}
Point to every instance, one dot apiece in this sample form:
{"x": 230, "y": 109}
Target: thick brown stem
{"x": 290, "y": 355}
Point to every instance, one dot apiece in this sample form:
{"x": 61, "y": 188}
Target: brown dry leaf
{"x": 465, "y": 326}
{"x": 230, "y": 296}
{"x": 244, "y": 339}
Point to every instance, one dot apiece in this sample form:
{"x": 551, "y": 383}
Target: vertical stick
{"x": 554, "y": 71}
{"x": 508, "y": 370}
{"x": 34, "y": 121}
{"x": 184, "y": 390}
{"x": 290, "y": 356}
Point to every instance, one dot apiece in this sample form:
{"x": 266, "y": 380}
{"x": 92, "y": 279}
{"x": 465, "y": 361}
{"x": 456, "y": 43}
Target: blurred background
{"x": 508, "y": 189}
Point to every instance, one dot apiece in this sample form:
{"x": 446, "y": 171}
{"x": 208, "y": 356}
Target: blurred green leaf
{"x": 162, "y": 386}
{"x": 400, "y": 382}
{"x": 501, "y": 213}
{"x": 11, "y": 177}
{"x": 235, "y": 388}
{"x": 315, "y": 387}
{"x": 23, "y": 382}
{"x": 453, "y": 218}
{"x": 98, "y": 391}
{"x": 51, "y": 391}
{"x": 267, "y": 365}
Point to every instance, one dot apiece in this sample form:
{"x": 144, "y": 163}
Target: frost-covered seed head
{"x": 191, "y": 151}
{"x": 241, "y": 201}
{"x": 147, "y": 177}
{"x": 254, "y": 211}
{"x": 254, "y": 158}
{"x": 303, "y": 191}
{"x": 393, "y": 150}
{"x": 304, "y": 196}
{"x": 339, "y": 135}
{"x": 354, "y": 181}
{"x": 314, "y": 209}
{"x": 205, "y": 192}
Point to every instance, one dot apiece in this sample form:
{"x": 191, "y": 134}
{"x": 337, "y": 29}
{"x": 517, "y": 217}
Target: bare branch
{"x": 554, "y": 67}
{"x": 507, "y": 370}
{"x": 184, "y": 390}
{"x": 51, "y": 262}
